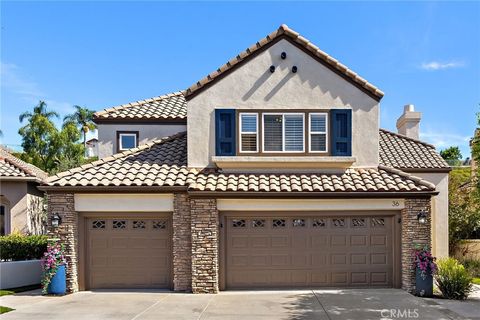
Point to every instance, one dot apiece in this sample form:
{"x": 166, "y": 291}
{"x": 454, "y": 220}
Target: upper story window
{"x": 318, "y": 132}
{"x": 248, "y": 123}
{"x": 283, "y": 132}
{"x": 127, "y": 140}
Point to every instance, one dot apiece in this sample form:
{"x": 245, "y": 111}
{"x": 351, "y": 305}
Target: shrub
{"x": 472, "y": 266}
{"x": 17, "y": 247}
{"x": 453, "y": 279}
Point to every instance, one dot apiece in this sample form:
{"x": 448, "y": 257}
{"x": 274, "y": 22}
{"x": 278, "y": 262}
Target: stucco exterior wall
{"x": 253, "y": 86}
{"x": 439, "y": 212}
{"x": 107, "y": 134}
{"x": 16, "y": 194}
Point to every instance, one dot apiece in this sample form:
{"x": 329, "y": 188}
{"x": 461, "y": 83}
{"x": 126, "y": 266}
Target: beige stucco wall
{"x": 439, "y": 212}
{"x": 98, "y": 202}
{"x": 23, "y": 201}
{"x": 107, "y": 134}
{"x": 252, "y": 86}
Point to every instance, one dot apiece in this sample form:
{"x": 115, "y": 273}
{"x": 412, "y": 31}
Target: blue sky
{"x": 101, "y": 54}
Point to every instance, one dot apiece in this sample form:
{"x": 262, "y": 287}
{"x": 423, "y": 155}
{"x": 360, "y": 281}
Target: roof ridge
{"x": 408, "y": 138}
{"x": 408, "y": 176}
{"x": 22, "y": 165}
{"x": 296, "y": 37}
{"x": 116, "y": 156}
{"x": 138, "y": 102}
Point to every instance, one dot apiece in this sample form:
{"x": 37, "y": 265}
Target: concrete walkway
{"x": 305, "y": 304}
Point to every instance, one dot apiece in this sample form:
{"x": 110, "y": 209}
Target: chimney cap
{"x": 409, "y": 108}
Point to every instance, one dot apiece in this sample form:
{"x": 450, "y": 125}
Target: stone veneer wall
{"x": 204, "y": 245}
{"x": 67, "y": 233}
{"x": 182, "y": 243}
{"x": 413, "y": 233}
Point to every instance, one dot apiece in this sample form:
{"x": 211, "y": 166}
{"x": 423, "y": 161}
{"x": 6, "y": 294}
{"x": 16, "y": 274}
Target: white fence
{"x": 15, "y": 274}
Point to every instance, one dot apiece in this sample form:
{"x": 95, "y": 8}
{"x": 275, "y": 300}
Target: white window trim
{"x": 120, "y": 135}
{"x": 247, "y": 132}
{"x": 310, "y": 132}
{"x": 283, "y": 130}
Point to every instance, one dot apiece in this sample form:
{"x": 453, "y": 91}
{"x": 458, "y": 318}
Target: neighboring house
{"x": 21, "y": 203}
{"x": 283, "y": 178}
{"x": 92, "y": 148}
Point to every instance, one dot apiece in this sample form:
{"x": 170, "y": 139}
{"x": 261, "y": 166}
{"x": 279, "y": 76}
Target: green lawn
{"x": 476, "y": 281}
{"x": 5, "y": 309}
{"x": 6, "y": 292}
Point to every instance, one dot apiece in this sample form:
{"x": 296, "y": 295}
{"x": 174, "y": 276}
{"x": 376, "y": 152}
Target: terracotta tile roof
{"x": 294, "y": 36}
{"x": 13, "y": 167}
{"x": 159, "y": 163}
{"x": 166, "y": 107}
{"x": 352, "y": 180}
{"x": 163, "y": 163}
{"x": 398, "y": 151}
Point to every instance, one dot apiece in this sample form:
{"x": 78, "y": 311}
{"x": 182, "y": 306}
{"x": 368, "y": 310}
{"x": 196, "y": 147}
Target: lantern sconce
{"x": 56, "y": 220}
{"x": 422, "y": 217}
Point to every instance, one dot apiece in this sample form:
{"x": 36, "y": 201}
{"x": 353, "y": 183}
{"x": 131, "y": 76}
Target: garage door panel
{"x": 309, "y": 251}
{"x": 128, "y": 253}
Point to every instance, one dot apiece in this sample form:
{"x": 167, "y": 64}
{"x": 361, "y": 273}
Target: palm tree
{"x": 40, "y": 110}
{"x": 83, "y": 118}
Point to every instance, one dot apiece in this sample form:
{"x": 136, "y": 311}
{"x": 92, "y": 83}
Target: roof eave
{"x": 113, "y": 189}
{"x": 294, "y": 194}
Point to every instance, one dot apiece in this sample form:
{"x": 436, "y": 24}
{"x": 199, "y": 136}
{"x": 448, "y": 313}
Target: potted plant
{"x": 54, "y": 270}
{"x": 425, "y": 267}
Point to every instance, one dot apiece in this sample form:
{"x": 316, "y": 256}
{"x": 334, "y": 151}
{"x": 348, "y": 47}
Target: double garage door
{"x": 256, "y": 251}
{"x": 283, "y": 251}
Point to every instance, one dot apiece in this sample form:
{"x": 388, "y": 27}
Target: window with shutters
{"x": 318, "y": 132}
{"x": 248, "y": 123}
{"x": 283, "y": 132}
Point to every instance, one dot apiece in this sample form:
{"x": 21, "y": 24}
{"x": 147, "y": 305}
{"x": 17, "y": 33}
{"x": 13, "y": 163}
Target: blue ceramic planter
{"x": 58, "y": 284}
{"x": 424, "y": 285}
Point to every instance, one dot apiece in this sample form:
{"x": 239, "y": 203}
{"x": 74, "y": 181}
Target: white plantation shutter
{"x": 294, "y": 132}
{"x": 318, "y": 132}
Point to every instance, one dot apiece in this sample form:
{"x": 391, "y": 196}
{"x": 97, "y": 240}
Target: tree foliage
{"x": 82, "y": 118}
{"x": 47, "y": 147}
{"x": 452, "y": 155}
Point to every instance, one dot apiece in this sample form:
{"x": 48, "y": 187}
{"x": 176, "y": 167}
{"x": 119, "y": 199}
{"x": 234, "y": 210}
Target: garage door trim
{"x": 83, "y": 275}
{"x": 396, "y": 246}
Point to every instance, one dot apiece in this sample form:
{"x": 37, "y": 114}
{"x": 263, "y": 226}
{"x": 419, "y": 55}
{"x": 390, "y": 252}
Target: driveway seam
{"x": 153, "y": 305}
{"x": 205, "y": 309}
{"x": 324, "y": 310}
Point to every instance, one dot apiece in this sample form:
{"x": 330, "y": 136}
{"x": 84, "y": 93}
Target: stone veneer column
{"x": 67, "y": 232}
{"x": 204, "y": 245}
{"x": 182, "y": 243}
{"x": 413, "y": 233}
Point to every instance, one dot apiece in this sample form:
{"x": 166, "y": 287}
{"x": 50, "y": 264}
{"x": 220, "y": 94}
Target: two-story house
{"x": 271, "y": 172}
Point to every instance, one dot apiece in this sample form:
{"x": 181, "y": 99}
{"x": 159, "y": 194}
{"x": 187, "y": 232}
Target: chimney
{"x": 409, "y": 122}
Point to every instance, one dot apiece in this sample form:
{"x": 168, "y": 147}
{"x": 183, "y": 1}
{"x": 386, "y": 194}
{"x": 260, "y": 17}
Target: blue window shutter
{"x": 225, "y": 132}
{"x": 341, "y": 131}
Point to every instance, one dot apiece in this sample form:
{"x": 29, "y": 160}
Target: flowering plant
{"x": 52, "y": 259}
{"x": 424, "y": 261}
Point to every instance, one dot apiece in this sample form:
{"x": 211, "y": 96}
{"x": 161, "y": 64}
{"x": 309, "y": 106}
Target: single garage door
{"x": 128, "y": 253}
{"x": 338, "y": 251}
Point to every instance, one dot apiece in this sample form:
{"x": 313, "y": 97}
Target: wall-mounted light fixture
{"x": 272, "y": 69}
{"x": 56, "y": 220}
{"x": 283, "y": 55}
{"x": 294, "y": 69}
{"x": 422, "y": 217}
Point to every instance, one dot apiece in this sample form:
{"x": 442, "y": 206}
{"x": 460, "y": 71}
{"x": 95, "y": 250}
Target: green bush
{"x": 17, "y": 247}
{"x": 453, "y": 279}
{"x": 472, "y": 266}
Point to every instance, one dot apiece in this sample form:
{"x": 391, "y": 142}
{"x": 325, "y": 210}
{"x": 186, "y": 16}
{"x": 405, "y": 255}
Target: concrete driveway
{"x": 305, "y": 304}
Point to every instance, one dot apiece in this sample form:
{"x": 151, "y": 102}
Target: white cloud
{"x": 436, "y": 65}
{"x": 443, "y": 140}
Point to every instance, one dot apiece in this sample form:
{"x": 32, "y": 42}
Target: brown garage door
{"x": 128, "y": 253}
{"x": 339, "y": 251}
